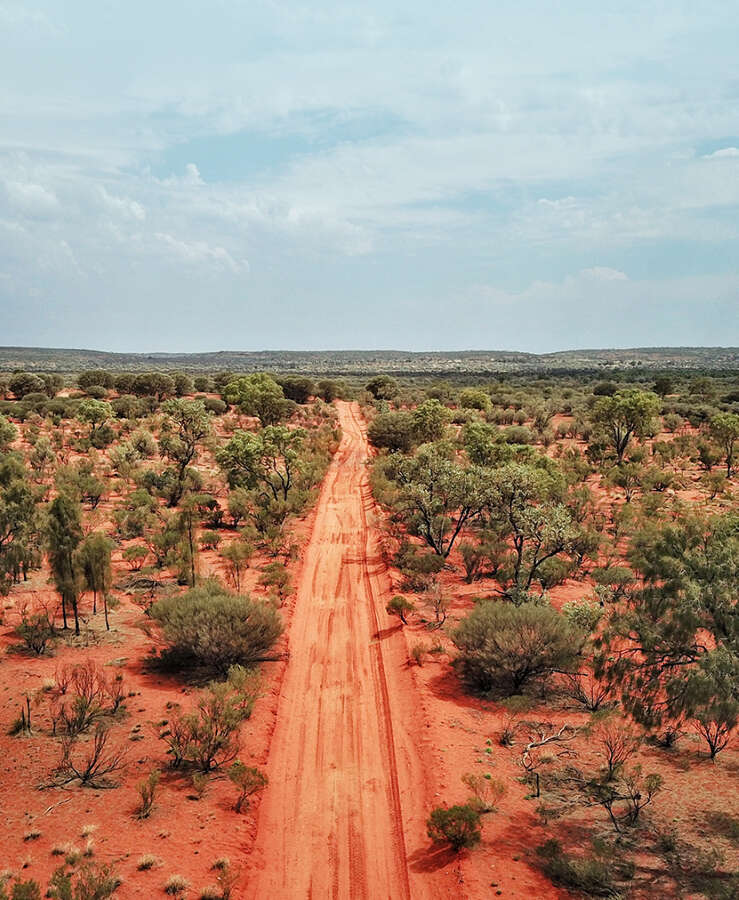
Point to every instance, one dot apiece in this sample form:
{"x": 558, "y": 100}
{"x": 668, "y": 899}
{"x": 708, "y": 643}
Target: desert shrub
{"x": 147, "y": 790}
{"x": 209, "y": 540}
{"x": 21, "y": 890}
{"x": 417, "y": 567}
{"x": 36, "y": 631}
{"x": 93, "y": 765}
{"x": 207, "y": 738}
{"x": 505, "y": 647}
{"x": 458, "y": 826}
{"x": 275, "y": 575}
{"x": 176, "y": 885}
{"x": 147, "y": 861}
{"x": 589, "y": 874}
{"x": 247, "y": 780}
{"x": 583, "y": 614}
{"x": 91, "y": 882}
{"x": 392, "y": 431}
{"x": 486, "y": 791}
{"x": 212, "y": 627}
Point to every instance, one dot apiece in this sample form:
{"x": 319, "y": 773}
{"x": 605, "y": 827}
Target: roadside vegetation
{"x": 573, "y": 544}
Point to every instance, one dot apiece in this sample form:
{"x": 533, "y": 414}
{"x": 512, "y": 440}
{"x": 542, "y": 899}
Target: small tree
{"x": 184, "y": 428}
{"x": 624, "y": 415}
{"x": 724, "y": 428}
{"x": 458, "y": 826}
{"x": 93, "y": 766}
{"x": 257, "y": 395}
{"x": 248, "y": 781}
{"x": 64, "y": 534}
{"x": 399, "y": 606}
{"x": 93, "y": 559}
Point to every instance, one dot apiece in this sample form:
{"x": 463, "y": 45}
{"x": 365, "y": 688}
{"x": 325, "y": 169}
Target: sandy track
{"x": 347, "y": 791}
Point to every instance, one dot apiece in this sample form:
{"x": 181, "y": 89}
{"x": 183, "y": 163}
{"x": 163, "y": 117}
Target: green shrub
{"x": 212, "y": 627}
{"x": 506, "y": 647}
{"x": 458, "y": 826}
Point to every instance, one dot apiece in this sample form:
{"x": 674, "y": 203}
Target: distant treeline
{"x": 361, "y": 362}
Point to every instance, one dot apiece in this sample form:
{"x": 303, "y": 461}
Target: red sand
{"x": 344, "y": 813}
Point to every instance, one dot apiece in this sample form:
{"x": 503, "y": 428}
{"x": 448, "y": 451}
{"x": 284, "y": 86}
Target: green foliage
{"x": 186, "y": 425}
{"x": 383, "y": 387}
{"x": 248, "y": 780}
{"x": 392, "y": 431}
{"x": 505, "y": 648}
{"x": 583, "y": 614}
{"x": 430, "y": 419}
{"x": 592, "y": 874}
{"x": 268, "y": 461}
{"x": 724, "y": 429}
{"x": 214, "y": 628}
{"x": 458, "y": 826}
{"x": 672, "y": 648}
{"x": 208, "y": 737}
{"x": 624, "y": 415}
{"x": 64, "y": 535}
{"x": 439, "y": 497}
{"x": 400, "y": 606}
{"x": 257, "y": 395}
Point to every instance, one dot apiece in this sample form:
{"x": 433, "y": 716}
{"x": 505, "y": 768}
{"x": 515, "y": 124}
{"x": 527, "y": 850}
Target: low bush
{"x": 211, "y": 627}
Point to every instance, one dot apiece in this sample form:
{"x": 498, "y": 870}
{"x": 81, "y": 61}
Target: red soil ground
{"x": 358, "y": 744}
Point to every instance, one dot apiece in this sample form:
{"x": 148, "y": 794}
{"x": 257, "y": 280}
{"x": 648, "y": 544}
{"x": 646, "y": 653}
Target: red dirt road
{"x": 347, "y": 795}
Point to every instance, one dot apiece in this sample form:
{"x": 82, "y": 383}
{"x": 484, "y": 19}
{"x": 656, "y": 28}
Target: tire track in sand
{"x": 331, "y": 822}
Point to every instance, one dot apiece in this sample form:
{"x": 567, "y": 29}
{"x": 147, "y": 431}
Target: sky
{"x": 278, "y": 174}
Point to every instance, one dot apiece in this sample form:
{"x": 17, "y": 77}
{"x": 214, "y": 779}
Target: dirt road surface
{"x": 343, "y": 814}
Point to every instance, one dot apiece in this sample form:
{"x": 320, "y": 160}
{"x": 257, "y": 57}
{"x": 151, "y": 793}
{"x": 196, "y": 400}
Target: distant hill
{"x": 359, "y": 362}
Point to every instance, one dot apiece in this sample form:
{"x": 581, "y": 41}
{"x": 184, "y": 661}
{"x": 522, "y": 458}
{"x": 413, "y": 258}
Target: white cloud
{"x": 603, "y": 273}
{"x": 725, "y": 153}
{"x": 197, "y": 252}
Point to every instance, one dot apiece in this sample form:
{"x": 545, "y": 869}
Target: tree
{"x": 399, "y": 606}
{"x": 506, "y": 647}
{"x": 458, "y": 826}
{"x": 19, "y": 528}
{"x": 64, "y": 534}
{"x": 474, "y": 398}
{"x": 383, "y": 387}
{"x": 257, "y": 395}
{"x": 8, "y": 433}
{"x": 440, "y": 496}
{"x": 93, "y": 377}
{"x": 93, "y": 560}
{"x": 24, "y": 383}
{"x": 152, "y": 384}
{"x": 663, "y": 385}
{"x": 524, "y": 505}
{"x": 248, "y": 780}
{"x": 269, "y": 459}
{"x": 214, "y": 628}
{"x": 95, "y": 413}
{"x": 624, "y": 415}
{"x": 186, "y": 425}
{"x": 670, "y": 650}
{"x": 298, "y": 388}
{"x": 430, "y": 419}
{"x": 237, "y": 555}
{"x": 724, "y": 428}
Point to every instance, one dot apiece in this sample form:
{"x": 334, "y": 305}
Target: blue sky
{"x": 222, "y": 175}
